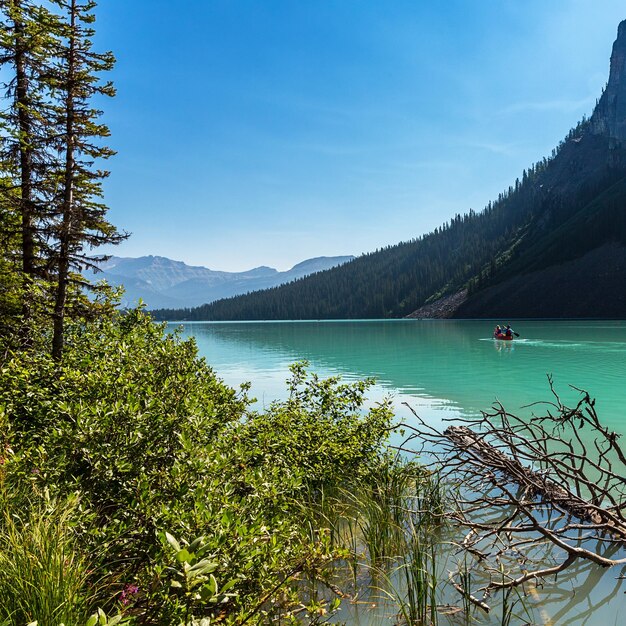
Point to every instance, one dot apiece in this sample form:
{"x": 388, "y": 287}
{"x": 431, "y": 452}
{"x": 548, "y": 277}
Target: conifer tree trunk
{"x": 27, "y": 209}
{"x": 79, "y": 215}
{"x": 68, "y": 198}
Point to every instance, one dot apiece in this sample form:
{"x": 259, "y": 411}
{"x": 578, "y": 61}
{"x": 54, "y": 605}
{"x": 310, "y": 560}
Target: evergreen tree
{"x": 10, "y": 274}
{"x": 25, "y": 133}
{"x": 80, "y": 222}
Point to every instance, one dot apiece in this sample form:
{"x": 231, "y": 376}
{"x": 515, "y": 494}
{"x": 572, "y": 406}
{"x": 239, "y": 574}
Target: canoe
{"x": 502, "y": 336}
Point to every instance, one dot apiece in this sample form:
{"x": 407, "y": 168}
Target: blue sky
{"x": 270, "y": 131}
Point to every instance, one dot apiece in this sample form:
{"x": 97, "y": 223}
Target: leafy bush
{"x": 320, "y": 432}
{"x": 189, "y": 504}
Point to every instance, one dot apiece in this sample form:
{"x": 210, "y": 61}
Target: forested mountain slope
{"x": 552, "y": 245}
{"x": 576, "y": 269}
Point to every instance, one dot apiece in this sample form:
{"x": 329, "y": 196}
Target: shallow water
{"x": 447, "y": 370}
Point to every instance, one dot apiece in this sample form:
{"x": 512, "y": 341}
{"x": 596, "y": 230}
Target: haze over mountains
{"x": 161, "y": 282}
{"x": 553, "y": 245}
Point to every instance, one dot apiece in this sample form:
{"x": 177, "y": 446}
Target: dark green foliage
{"x": 79, "y": 222}
{"x": 10, "y": 279}
{"x": 51, "y": 140}
{"x": 596, "y": 217}
{"x": 24, "y": 149}
{"x": 188, "y": 503}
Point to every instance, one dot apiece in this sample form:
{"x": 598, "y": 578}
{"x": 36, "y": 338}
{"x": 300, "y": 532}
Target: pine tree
{"x": 10, "y": 274}
{"x": 25, "y": 134}
{"x": 80, "y": 222}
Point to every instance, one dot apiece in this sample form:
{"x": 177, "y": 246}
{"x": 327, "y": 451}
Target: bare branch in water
{"x": 530, "y": 487}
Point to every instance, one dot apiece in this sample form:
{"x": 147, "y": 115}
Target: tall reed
{"x": 389, "y": 526}
{"x": 42, "y": 577}
{"x": 419, "y": 569}
{"x": 400, "y": 518}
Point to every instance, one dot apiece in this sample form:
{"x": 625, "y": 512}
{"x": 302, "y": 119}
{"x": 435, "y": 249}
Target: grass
{"x": 42, "y": 577}
{"x": 389, "y": 525}
{"x": 420, "y": 577}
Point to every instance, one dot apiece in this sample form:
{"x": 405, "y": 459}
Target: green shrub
{"x": 190, "y": 505}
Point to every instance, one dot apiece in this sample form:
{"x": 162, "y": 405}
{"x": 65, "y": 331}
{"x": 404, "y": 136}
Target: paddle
{"x": 516, "y": 334}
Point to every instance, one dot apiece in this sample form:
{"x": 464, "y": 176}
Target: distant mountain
{"x": 163, "y": 283}
{"x": 552, "y": 245}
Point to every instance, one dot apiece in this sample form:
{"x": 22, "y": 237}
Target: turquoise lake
{"x": 441, "y": 368}
{"x": 447, "y": 370}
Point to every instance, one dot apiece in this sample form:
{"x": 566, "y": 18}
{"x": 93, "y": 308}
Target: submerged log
{"x": 536, "y": 483}
{"x": 533, "y": 493}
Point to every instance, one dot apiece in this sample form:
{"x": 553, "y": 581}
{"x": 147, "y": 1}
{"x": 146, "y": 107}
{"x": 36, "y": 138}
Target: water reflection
{"x": 584, "y": 594}
{"x": 455, "y": 362}
{"x": 501, "y": 345}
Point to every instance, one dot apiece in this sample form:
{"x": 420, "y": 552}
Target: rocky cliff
{"x": 570, "y": 260}
{"x": 609, "y": 117}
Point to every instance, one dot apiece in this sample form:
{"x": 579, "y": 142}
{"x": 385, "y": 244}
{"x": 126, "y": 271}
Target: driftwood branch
{"x": 528, "y": 488}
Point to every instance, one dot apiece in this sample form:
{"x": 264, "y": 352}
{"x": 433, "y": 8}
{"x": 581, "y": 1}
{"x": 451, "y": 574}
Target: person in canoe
{"x": 508, "y": 333}
{"x": 502, "y": 332}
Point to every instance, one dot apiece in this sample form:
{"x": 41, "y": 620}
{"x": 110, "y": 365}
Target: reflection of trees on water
{"x": 355, "y": 347}
{"x": 430, "y": 358}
